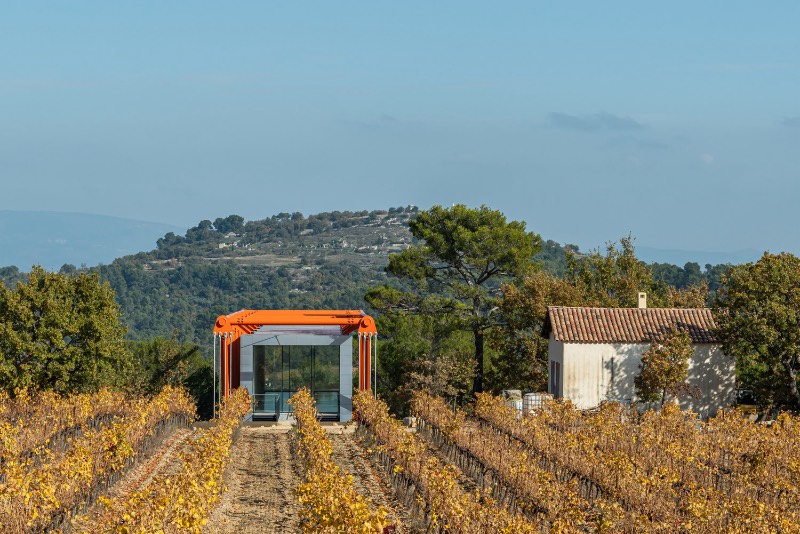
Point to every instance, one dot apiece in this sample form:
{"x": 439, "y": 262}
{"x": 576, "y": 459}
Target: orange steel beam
{"x": 248, "y": 321}
{"x": 361, "y": 360}
{"x": 368, "y": 363}
{"x": 232, "y": 326}
{"x": 223, "y": 368}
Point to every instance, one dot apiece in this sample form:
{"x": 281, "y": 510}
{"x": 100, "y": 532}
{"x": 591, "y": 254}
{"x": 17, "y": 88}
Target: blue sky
{"x": 679, "y": 122}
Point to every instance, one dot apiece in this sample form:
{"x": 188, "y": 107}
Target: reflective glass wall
{"x": 280, "y": 370}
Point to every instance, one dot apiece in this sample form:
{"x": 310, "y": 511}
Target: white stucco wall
{"x": 596, "y": 372}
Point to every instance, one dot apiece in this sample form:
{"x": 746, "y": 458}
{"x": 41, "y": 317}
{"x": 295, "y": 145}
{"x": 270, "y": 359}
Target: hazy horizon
{"x": 677, "y": 123}
{"x": 52, "y": 239}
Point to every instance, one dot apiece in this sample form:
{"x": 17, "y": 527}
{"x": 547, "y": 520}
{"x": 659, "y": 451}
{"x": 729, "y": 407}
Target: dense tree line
{"x": 456, "y": 269}
{"x": 758, "y": 309}
{"x": 553, "y": 259}
{"x": 11, "y": 275}
{"x": 453, "y": 302}
{"x": 189, "y": 292}
{"x": 426, "y": 342}
{"x": 189, "y": 298}
{"x": 430, "y": 322}
{"x": 62, "y": 332}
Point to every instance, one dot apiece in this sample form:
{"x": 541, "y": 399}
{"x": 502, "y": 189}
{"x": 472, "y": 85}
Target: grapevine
{"x": 181, "y": 502}
{"x": 329, "y": 500}
{"x": 41, "y": 490}
{"x": 446, "y": 506}
{"x": 669, "y": 465}
{"x": 533, "y": 487}
{"x": 40, "y": 418}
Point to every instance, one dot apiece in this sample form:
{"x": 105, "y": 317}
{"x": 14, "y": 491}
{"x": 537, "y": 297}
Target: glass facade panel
{"x": 300, "y": 365}
{"x": 280, "y": 370}
{"x": 326, "y": 378}
{"x": 267, "y": 377}
{"x": 327, "y": 402}
{"x": 297, "y": 359}
{"x": 326, "y": 368}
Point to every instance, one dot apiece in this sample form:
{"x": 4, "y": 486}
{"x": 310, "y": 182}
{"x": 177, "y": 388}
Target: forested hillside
{"x": 326, "y": 260}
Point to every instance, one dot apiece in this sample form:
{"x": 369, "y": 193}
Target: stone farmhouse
{"x": 594, "y": 354}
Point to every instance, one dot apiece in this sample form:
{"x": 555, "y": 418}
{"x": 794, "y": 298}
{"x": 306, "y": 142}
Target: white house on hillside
{"x": 594, "y": 354}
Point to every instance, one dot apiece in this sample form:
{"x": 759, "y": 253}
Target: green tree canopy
{"x": 60, "y": 332}
{"x": 614, "y": 280}
{"x": 521, "y": 360}
{"x": 423, "y": 352}
{"x": 758, "y": 314}
{"x": 160, "y": 362}
{"x": 664, "y": 368}
{"x": 231, "y": 223}
{"x": 463, "y": 256}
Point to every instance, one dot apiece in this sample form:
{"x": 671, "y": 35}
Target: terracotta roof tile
{"x": 627, "y": 325}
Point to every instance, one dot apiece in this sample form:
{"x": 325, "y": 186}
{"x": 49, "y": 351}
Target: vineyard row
{"x": 330, "y": 502}
{"x": 420, "y": 478}
{"x": 181, "y": 501}
{"x": 534, "y": 489}
{"x": 42, "y": 491}
{"x": 654, "y": 463}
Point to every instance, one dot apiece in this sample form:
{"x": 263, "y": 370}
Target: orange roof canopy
{"x": 248, "y": 321}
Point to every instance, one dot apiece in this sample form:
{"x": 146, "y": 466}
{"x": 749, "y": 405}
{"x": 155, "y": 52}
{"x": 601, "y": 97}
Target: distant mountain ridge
{"x": 52, "y": 239}
{"x": 174, "y": 282}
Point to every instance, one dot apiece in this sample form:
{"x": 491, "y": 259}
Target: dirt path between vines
{"x": 369, "y": 479}
{"x": 260, "y": 479}
{"x": 263, "y": 472}
{"x": 162, "y": 462}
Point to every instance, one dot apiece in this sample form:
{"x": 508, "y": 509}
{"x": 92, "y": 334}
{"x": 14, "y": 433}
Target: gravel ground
{"x": 259, "y": 484}
{"x": 368, "y": 479}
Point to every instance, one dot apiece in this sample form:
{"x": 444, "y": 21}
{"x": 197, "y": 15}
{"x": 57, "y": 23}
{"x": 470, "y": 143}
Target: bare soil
{"x": 162, "y": 462}
{"x": 261, "y": 478}
{"x": 259, "y": 484}
{"x": 368, "y": 479}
